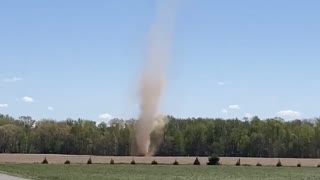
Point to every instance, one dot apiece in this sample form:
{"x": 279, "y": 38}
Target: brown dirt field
{"x": 59, "y": 159}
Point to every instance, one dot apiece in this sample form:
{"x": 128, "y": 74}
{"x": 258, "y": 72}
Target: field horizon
{"x": 165, "y": 160}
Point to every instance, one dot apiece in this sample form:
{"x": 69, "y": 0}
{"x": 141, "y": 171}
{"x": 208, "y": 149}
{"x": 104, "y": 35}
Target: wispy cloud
{"x": 4, "y": 105}
{"x": 104, "y": 117}
{"x": 27, "y": 99}
{"x": 224, "y": 111}
{"x": 234, "y": 106}
{"x": 50, "y": 108}
{"x": 248, "y": 115}
{"x": 12, "y": 79}
{"x": 290, "y": 113}
{"x": 221, "y": 83}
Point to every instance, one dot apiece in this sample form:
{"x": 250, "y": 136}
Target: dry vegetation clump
{"x": 89, "y": 161}
{"x": 238, "y": 163}
{"x": 133, "y": 162}
{"x": 299, "y": 164}
{"x": 175, "y": 162}
{"x": 196, "y": 161}
{"x": 67, "y": 162}
{"x": 154, "y": 162}
{"x": 279, "y": 164}
{"x": 111, "y": 161}
{"x": 45, "y": 161}
{"x": 213, "y": 160}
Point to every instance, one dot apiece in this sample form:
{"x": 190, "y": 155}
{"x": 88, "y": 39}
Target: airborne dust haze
{"x": 152, "y": 83}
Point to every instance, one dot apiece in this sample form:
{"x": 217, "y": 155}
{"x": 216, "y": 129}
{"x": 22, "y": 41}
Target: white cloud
{"x": 224, "y": 111}
{"x": 104, "y": 117}
{"x": 289, "y": 113}
{"x": 12, "y": 79}
{"x": 27, "y": 99}
{"x": 50, "y": 108}
{"x": 248, "y": 115}
{"x": 234, "y": 106}
{"x": 221, "y": 83}
{"x": 4, "y": 105}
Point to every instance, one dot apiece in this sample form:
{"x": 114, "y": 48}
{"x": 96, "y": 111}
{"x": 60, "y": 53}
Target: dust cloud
{"x": 148, "y": 129}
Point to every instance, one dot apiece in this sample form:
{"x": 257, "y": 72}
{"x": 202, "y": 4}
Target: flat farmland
{"x": 82, "y": 159}
{"x": 28, "y": 166}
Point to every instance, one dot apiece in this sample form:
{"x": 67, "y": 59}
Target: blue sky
{"x": 63, "y": 59}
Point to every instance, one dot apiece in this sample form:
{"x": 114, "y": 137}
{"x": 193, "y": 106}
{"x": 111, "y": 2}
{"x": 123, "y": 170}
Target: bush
{"x": 89, "y": 161}
{"x": 111, "y": 161}
{"x": 154, "y": 162}
{"x": 176, "y": 162}
{"x": 299, "y": 164}
{"x": 279, "y": 163}
{"x": 258, "y": 164}
{"x": 45, "y": 161}
{"x": 67, "y": 162}
{"x": 133, "y": 162}
{"x": 238, "y": 163}
{"x": 196, "y": 161}
{"x": 213, "y": 160}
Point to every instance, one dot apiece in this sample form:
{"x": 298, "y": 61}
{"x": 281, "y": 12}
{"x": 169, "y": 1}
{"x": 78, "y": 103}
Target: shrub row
{"x": 214, "y": 160}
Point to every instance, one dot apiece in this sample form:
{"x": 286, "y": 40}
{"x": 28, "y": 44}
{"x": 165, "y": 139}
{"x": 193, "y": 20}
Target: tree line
{"x": 253, "y": 137}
